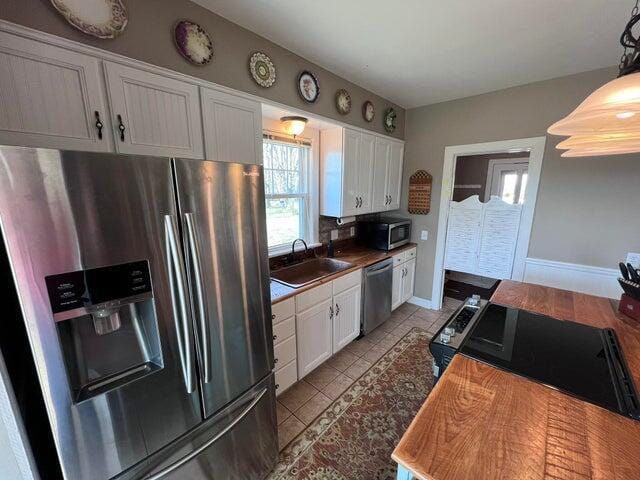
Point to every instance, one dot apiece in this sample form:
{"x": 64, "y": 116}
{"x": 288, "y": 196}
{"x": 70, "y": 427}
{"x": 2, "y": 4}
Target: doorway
{"x": 513, "y": 181}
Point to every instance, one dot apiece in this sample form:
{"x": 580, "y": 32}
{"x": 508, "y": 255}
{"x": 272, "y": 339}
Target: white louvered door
{"x": 154, "y": 115}
{"x": 51, "y": 97}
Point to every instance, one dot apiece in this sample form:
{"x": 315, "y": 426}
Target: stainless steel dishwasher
{"x": 376, "y": 295}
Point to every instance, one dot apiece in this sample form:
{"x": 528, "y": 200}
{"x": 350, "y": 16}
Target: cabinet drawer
{"x": 312, "y": 297}
{"x": 285, "y": 352}
{"x": 409, "y": 254}
{"x": 284, "y": 330}
{"x": 283, "y": 310}
{"x": 398, "y": 259}
{"x": 347, "y": 281}
{"x": 286, "y": 376}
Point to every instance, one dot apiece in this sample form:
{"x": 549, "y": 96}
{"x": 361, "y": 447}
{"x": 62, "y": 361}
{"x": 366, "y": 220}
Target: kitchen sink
{"x": 309, "y": 271}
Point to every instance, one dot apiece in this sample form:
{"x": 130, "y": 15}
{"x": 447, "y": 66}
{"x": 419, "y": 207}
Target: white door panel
{"x": 366, "y": 158}
{"x": 51, "y": 97}
{"x": 232, "y": 127}
{"x": 396, "y": 293}
{"x": 154, "y": 115}
{"x": 313, "y": 334}
{"x": 346, "y": 318}
{"x": 380, "y": 175}
{"x": 394, "y": 177}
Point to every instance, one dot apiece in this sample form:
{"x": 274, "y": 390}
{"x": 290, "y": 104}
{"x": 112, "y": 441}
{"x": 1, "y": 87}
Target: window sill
{"x": 286, "y": 249}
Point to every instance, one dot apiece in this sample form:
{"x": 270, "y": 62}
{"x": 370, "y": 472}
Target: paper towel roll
{"x": 345, "y": 220}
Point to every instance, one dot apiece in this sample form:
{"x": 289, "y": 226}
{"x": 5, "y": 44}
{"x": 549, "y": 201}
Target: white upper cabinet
{"x": 346, "y": 172}
{"x": 387, "y": 174}
{"x": 394, "y": 180}
{"x": 51, "y": 97}
{"x": 153, "y": 114}
{"x": 232, "y": 127}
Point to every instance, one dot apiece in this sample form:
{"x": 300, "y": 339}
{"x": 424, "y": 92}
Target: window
{"x": 286, "y": 182}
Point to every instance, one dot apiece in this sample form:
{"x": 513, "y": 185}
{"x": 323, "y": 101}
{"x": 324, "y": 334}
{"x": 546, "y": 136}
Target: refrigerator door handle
{"x": 179, "y": 302}
{"x": 204, "y": 332}
{"x": 211, "y": 441}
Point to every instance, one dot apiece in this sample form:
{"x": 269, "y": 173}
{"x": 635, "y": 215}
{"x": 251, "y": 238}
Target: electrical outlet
{"x": 334, "y": 234}
{"x": 633, "y": 259}
{"x": 424, "y": 235}
{"x": 352, "y": 231}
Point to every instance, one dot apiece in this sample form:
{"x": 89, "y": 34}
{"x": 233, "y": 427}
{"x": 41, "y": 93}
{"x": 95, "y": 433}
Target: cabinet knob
{"x": 273, "y": 317}
{"x": 277, "y": 386}
{"x": 275, "y": 337}
{"x": 275, "y": 360}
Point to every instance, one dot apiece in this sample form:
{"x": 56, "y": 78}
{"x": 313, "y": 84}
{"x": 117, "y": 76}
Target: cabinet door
{"x": 313, "y": 334}
{"x": 408, "y": 280}
{"x": 346, "y": 318}
{"x": 396, "y": 287}
{"x": 153, "y": 114}
{"x": 381, "y": 159}
{"x": 350, "y": 172}
{"x": 366, "y": 155}
{"x": 394, "y": 177}
{"x": 232, "y": 127}
{"x": 51, "y": 97}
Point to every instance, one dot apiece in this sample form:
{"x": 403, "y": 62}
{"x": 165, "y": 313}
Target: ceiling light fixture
{"x": 605, "y": 123}
{"x": 294, "y": 125}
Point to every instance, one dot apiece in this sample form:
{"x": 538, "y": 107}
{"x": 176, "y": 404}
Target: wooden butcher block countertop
{"x": 360, "y": 257}
{"x": 483, "y": 423}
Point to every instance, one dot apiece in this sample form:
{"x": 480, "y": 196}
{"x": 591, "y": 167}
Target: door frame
{"x": 535, "y": 146}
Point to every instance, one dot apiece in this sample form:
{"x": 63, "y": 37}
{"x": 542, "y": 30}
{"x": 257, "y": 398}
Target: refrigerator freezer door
{"x": 95, "y": 220}
{"x": 222, "y": 210}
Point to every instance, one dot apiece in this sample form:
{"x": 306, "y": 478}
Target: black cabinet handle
{"x": 99, "y": 124}
{"x": 337, "y": 309}
{"x": 275, "y": 360}
{"x": 121, "y": 128}
{"x": 331, "y": 311}
{"x": 275, "y": 337}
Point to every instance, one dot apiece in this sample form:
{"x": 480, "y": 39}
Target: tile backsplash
{"x": 327, "y": 224}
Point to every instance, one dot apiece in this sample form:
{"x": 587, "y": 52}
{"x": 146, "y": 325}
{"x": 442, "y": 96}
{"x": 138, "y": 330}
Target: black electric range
{"x": 582, "y": 361}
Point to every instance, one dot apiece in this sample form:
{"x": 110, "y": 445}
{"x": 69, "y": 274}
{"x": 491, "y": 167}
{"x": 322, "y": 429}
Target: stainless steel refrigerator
{"x": 142, "y": 287}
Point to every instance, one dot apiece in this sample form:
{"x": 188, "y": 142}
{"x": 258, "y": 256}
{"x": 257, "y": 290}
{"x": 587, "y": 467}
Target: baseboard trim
{"x": 573, "y": 276}
{"x": 421, "y": 302}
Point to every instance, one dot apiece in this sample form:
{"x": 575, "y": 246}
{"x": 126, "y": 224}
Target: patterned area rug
{"x": 354, "y": 437}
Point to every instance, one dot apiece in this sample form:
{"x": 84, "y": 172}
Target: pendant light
{"x": 607, "y": 122}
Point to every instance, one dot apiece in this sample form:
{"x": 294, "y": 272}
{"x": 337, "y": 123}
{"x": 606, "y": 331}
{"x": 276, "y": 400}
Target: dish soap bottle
{"x": 330, "y": 250}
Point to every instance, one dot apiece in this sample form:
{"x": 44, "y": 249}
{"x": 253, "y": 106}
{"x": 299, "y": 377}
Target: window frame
{"x": 307, "y": 225}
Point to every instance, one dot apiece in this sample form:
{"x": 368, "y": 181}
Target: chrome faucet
{"x": 293, "y": 247}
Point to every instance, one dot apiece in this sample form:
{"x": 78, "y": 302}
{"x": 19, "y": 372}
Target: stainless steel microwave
{"x": 385, "y": 233}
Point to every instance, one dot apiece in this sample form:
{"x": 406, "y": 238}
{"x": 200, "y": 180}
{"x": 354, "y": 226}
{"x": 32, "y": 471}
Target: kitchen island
{"x": 480, "y": 422}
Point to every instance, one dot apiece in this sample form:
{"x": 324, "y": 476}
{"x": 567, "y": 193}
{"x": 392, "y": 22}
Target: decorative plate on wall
{"x": 100, "y": 18}
{"x": 343, "y": 101}
{"x": 368, "y": 112}
{"x": 308, "y": 86}
{"x": 389, "y": 120}
{"x": 262, "y": 69}
{"x": 193, "y": 42}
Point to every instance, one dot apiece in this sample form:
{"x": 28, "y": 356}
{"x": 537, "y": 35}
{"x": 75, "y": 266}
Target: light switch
{"x": 334, "y": 234}
{"x": 633, "y": 259}
{"x": 424, "y": 235}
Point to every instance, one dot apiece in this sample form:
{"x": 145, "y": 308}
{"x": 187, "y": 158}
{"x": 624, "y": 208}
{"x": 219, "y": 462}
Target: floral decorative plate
{"x": 193, "y": 42}
{"x": 368, "y": 112}
{"x": 100, "y": 18}
{"x": 389, "y": 120}
{"x": 308, "y": 86}
{"x": 262, "y": 69}
{"x": 343, "y": 101}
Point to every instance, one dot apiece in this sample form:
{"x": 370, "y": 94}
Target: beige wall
{"x": 148, "y": 37}
{"x": 588, "y": 209}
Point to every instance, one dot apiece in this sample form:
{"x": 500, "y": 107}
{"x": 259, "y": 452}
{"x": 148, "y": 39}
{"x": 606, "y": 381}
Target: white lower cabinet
{"x": 404, "y": 276}
{"x": 284, "y": 344}
{"x": 327, "y": 319}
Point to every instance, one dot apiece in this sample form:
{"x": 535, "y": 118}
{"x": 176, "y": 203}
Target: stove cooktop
{"x": 580, "y": 360}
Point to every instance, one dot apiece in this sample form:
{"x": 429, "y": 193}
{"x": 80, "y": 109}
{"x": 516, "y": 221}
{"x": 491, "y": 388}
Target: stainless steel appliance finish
{"x": 222, "y": 208}
{"x": 157, "y": 367}
{"x": 309, "y": 271}
{"x": 385, "y": 233}
{"x": 376, "y": 295}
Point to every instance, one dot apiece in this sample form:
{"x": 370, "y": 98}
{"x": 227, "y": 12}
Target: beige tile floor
{"x": 309, "y": 397}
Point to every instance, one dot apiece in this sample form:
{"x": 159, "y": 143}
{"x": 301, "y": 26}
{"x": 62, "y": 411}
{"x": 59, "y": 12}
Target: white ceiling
{"x": 419, "y": 52}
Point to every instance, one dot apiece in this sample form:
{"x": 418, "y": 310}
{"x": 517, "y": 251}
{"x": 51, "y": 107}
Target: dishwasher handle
{"x": 378, "y": 268}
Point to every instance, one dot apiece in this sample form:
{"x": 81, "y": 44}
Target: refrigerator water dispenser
{"x": 107, "y": 326}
